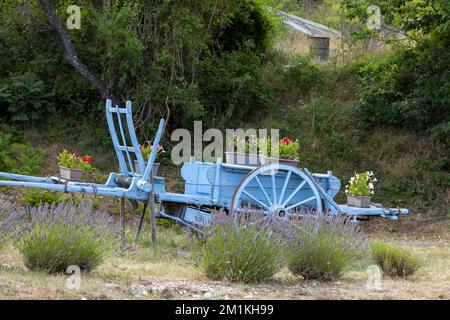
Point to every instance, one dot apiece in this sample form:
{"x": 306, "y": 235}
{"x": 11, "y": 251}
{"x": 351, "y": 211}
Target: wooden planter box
{"x": 70, "y": 174}
{"x": 359, "y": 201}
{"x": 245, "y": 159}
{"x": 284, "y": 162}
{"x": 154, "y": 169}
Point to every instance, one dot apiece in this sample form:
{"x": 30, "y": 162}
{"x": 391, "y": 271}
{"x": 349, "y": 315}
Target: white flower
{"x": 371, "y": 192}
{"x": 371, "y": 185}
{"x": 374, "y": 180}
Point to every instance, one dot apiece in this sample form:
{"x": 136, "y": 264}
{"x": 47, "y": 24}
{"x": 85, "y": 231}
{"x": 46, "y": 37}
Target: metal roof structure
{"x": 311, "y": 28}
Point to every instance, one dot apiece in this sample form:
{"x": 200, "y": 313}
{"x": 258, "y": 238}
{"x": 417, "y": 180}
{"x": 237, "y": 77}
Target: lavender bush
{"x": 6, "y": 225}
{"x": 241, "y": 250}
{"x": 57, "y": 236}
{"x": 321, "y": 247}
{"x": 393, "y": 260}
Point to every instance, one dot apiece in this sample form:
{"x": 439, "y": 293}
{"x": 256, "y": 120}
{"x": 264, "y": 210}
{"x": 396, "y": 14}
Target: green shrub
{"x": 232, "y": 87}
{"x": 409, "y": 88}
{"x": 393, "y": 260}
{"x": 243, "y": 251}
{"x": 321, "y": 247}
{"x": 16, "y": 155}
{"x": 63, "y": 235}
{"x": 301, "y": 78}
{"x": 35, "y": 198}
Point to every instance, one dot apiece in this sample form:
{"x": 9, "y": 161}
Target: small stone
{"x": 208, "y": 295}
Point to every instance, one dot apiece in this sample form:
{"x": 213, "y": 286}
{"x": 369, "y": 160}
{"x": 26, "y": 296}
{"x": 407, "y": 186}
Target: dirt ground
{"x": 170, "y": 272}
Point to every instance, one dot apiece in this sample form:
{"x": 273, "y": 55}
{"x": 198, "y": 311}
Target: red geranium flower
{"x": 87, "y": 159}
{"x": 75, "y": 154}
{"x": 286, "y": 141}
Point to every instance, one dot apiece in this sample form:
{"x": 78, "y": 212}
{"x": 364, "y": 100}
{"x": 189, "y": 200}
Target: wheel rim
{"x": 276, "y": 189}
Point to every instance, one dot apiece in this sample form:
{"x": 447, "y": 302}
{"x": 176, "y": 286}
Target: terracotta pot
{"x": 70, "y": 174}
{"x": 155, "y": 168}
{"x": 359, "y": 201}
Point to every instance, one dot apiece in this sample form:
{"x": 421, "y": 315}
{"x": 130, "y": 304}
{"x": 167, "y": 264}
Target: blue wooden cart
{"x": 275, "y": 189}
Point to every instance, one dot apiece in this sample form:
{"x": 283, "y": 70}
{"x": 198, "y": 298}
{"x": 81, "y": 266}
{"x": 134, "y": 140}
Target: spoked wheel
{"x": 277, "y": 189}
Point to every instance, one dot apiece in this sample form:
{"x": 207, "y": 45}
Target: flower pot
{"x": 70, "y": 174}
{"x": 137, "y": 170}
{"x": 285, "y": 162}
{"x": 245, "y": 159}
{"x": 359, "y": 201}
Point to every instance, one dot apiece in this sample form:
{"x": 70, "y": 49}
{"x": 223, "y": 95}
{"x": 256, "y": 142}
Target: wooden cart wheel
{"x": 277, "y": 189}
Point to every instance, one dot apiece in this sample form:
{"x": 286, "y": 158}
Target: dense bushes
{"x": 302, "y": 77}
{"x": 410, "y": 88}
{"x": 16, "y": 155}
{"x": 59, "y": 236}
{"x": 246, "y": 250}
{"x": 150, "y": 52}
{"x": 232, "y": 86}
{"x": 393, "y": 260}
{"x": 321, "y": 247}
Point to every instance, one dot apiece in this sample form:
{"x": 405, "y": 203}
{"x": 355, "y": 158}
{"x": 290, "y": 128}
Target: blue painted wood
{"x": 154, "y": 151}
{"x": 134, "y": 140}
{"x": 209, "y": 185}
{"x": 113, "y": 133}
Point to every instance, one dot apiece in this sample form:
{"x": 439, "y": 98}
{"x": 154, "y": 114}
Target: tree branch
{"x": 70, "y": 53}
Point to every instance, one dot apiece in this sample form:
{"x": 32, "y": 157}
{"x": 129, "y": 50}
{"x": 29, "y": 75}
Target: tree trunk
{"x": 71, "y": 55}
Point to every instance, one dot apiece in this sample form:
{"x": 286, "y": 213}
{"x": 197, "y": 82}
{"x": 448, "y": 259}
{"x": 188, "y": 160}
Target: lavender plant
{"x": 393, "y": 260}
{"x": 6, "y": 224}
{"x": 241, "y": 248}
{"x": 57, "y": 236}
{"x": 322, "y": 247}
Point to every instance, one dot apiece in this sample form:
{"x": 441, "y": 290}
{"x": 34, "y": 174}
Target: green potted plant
{"x": 288, "y": 151}
{"x": 146, "y": 149}
{"x": 360, "y": 189}
{"x": 71, "y": 166}
{"x": 243, "y": 156}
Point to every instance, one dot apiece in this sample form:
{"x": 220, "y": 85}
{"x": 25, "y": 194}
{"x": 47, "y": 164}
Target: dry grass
{"x": 170, "y": 273}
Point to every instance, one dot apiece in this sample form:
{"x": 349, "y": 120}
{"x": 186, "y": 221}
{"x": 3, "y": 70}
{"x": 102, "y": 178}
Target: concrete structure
{"x": 308, "y": 37}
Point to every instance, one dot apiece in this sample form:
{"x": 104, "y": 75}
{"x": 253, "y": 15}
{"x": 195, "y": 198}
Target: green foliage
{"x": 61, "y": 236}
{"x": 156, "y": 53}
{"x": 17, "y": 156}
{"x": 35, "y": 198}
{"x": 246, "y": 24}
{"x": 232, "y": 87}
{"x": 410, "y": 88}
{"x": 26, "y": 96}
{"x": 240, "y": 252}
{"x": 302, "y": 77}
{"x": 416, "y": 17}
{"x": 393, "y": 260}
{"x": 322, "y": 248}
{"x": 361, "y": 184}
{"x": 287, "y": 148}
{"x": 146, "y": 149}
{"x": 73, "y": 161}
